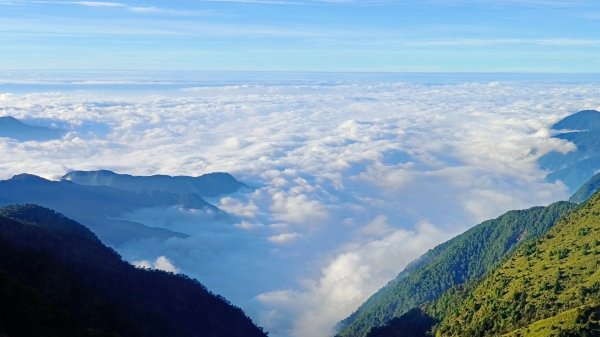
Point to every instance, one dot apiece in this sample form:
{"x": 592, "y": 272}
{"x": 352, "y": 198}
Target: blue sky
{"x": 302, "y": 35}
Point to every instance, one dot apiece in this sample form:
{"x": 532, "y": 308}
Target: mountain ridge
{"x": 586, "y": 190}
{"x": 461, "y": 259}
{"x": 207, "y": 185}
{"x": 428, "y": 315}
{"x": 544, "y": 279}
{"x": 12, "y": 127}
{"x": 575, "y": 167}
{"x": 61, "y": 264}
{"x": 100, "y": 207}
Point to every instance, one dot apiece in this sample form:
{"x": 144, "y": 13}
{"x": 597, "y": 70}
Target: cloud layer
{"x": 352, "y": 180}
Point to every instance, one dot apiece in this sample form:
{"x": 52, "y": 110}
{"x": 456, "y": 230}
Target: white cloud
{"x": 379, "y": 227}
{"x": 358, "y": 270}
{"x": 284, "y": 238}
{"x": 237, "y": 207}
{"x": 124, "y": 6}
{"x": 98, "y": 4}
{"x": 297, "y": 208}
{"x": 389, "y": 176}
{"x": 161, "y": 263}
{"x": 291, "y": 2}
{"x": 248, "y": 225}
{"x": 144, "y": 264}
{"x": 569, "y": 42}
{"x": 351, "y": 180}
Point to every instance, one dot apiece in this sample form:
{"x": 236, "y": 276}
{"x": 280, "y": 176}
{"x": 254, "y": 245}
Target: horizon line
{"x": 76, "y": 71}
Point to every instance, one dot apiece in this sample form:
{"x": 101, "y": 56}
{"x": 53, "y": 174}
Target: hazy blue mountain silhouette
{"x": 586, "y": 190}
{"x": 58, "y": 279}
{"x": 582, "y": 120}
{"x": 576, "y": 167}
{"x": 99, "y": 207}
{"x": 207, "y": 185}
{"x": 13, "y": 128}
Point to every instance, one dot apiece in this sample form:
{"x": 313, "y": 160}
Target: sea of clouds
{"x": 351, "y": 180}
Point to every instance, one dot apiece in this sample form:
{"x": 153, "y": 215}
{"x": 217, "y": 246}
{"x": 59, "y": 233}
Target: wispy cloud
{"x": 302, "y": 2}
{"x": 92, "y": 3}
{"x": 120, "y": 5}
{"x": 554, "y": 42}
{"x": 260, "y": 2}
{"x": 523, "y": 3}
{"x": 284, "y": 238}
{"x": 10, "y": 3}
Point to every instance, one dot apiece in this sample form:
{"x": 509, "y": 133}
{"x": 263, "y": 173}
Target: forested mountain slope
{"x": 549, "y": 287}
{"x": 424, "y": 318}
{"x": 465, "y": 258}
{"x": 58, "y": 279}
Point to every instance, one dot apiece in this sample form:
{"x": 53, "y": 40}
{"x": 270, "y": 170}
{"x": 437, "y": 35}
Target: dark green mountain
{"x": 207, "y": 185}
{"x": 576, "y": 167}
{"x": 414, "y": 323}
{"x": 58, "y": 280}
{"x": 13, "y": 128}
{"x": 424, "y": 319}
{"x": 99, "y": 207}
{"x": 549, "y": 287}
{"x": 465, "y": 258}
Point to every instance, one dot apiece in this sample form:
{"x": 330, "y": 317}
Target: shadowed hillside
{"x": 100, "y": 207}
{"x": 207, "y": 185}
{"x": 58, "y": 279}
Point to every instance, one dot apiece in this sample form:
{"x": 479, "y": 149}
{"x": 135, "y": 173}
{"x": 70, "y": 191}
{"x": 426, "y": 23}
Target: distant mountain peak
{"x": 99, "y": 207}
{"x": 26, "y": 208}
{"x": 12, "y": 127}
{"x": 9, "y": 120}
{"x": 206, "y": 185}
{"x": 107, "y": 172}
{"x": 575, "y": 167}
{"x": 28, "y": 177}
{"x": 45, "y": 217}
{"x": 582, "y": 120}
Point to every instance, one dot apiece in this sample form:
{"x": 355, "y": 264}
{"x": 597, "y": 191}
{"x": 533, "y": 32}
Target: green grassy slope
{"x": 582, "y": 321}
{"x": 540, "y": 285}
